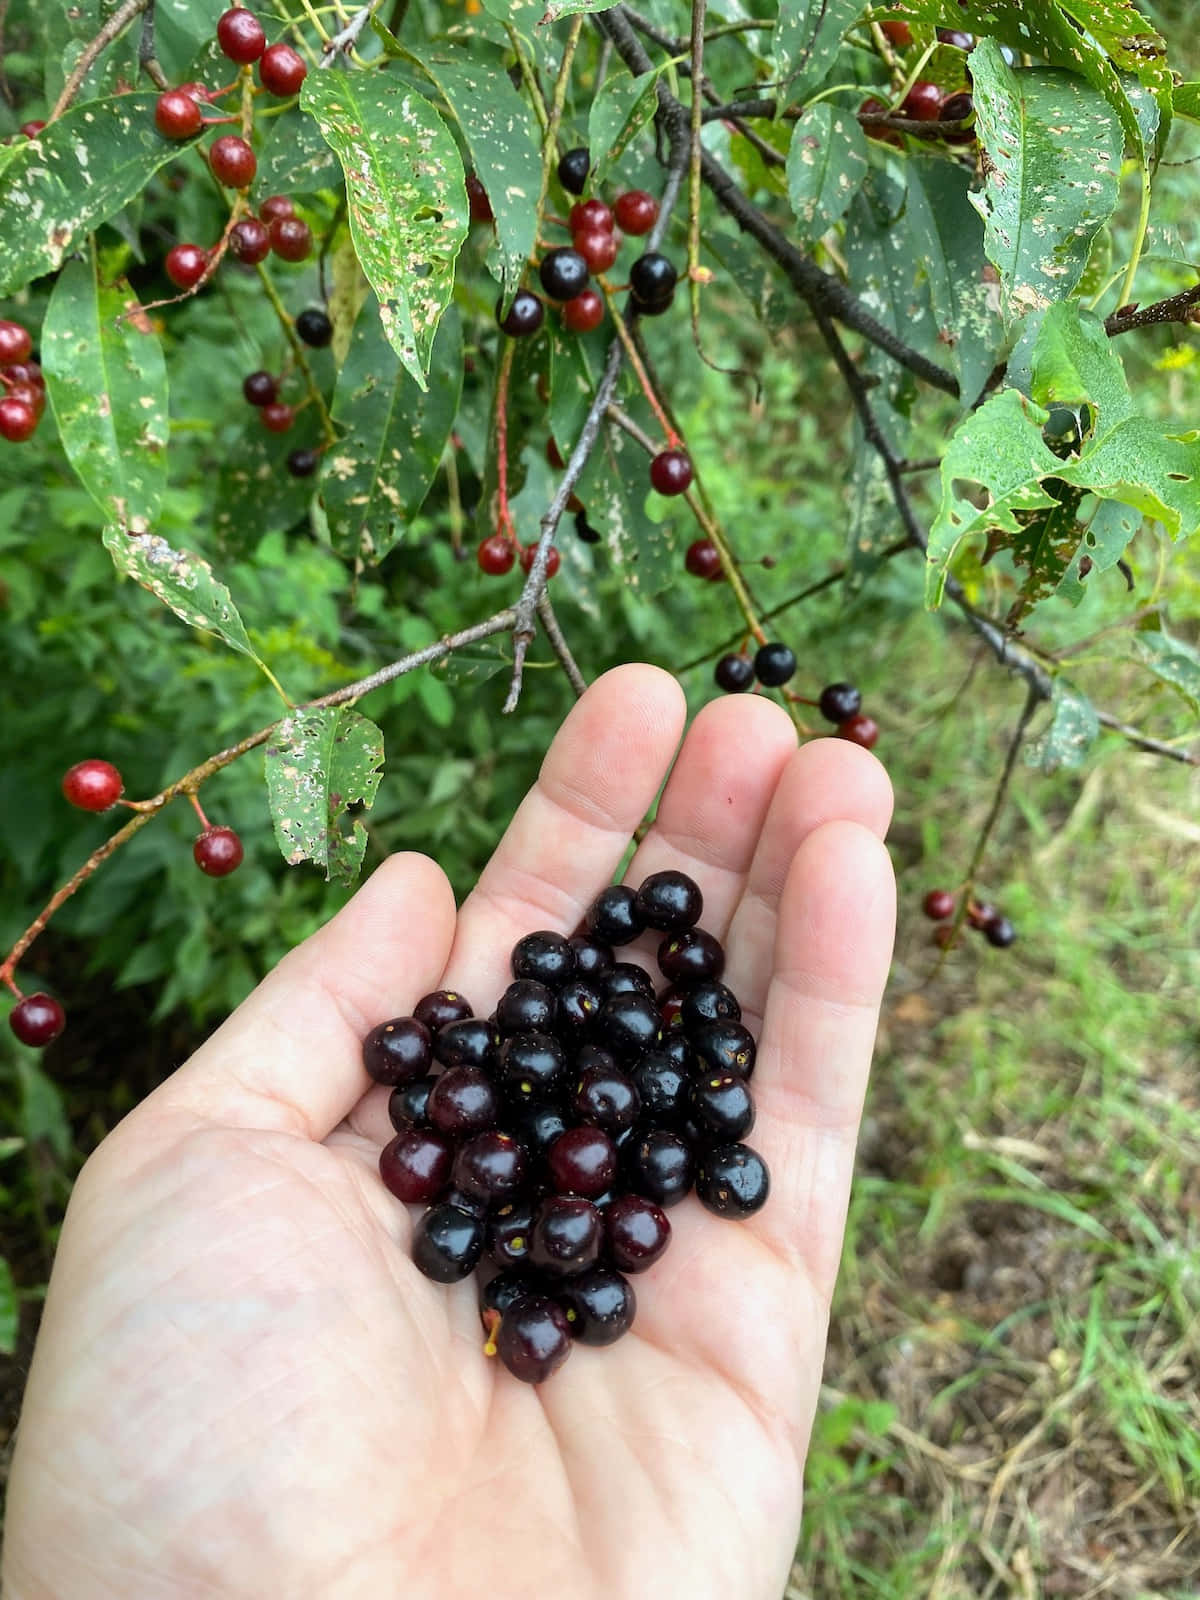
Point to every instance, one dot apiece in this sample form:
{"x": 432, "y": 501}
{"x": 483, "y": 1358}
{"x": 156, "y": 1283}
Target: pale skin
{"x": 242, "y": 1386}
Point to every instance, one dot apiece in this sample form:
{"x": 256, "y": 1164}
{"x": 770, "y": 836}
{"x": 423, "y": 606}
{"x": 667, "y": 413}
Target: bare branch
{"x": 1177, "y": 308}
{"x": 115, "y": 26}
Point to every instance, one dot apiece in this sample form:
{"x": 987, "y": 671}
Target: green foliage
{"x": 320, "y": 764}
{"x": 827, "y": 161}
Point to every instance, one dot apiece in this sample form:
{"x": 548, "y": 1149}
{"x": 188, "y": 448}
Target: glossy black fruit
{"x": 547, "y": 958}
{"x": 573, "y": 169}
{"x": 534, "y": 1338}
{"x": 532, "y": 1067}
{"x": 537, "y": 1124}
{"x": 398, "y": 1051}
{"x": 612, "y": 917}
{"x": 600, "y": 1306}
{"x": 732, "y": 1180}
{"x": 774, "y": 664}
{"x": 691, "y": 957}
{"x": 592, "y": 958}
{"x": 566, "y": 1235}
{"x": 626, "y": 977}
{"x": 636, "y": 1232}
{"x": 661, "y": 1087}
{"x": 491, "y": 1167}
{"x": 470, "y": 1043}
{"x": 607, "y": 1098}
{"x": 734, "y": 674}
{"x": 659, "y": 1165}
{"x": 839, "y": 701}
{"x": 1000, "y": 932}
{"x": 509, "y": 1286}
{"x": 583, "y": 1161}
{"x": 669, "y": 901}
{"x": 725, "y": 1047}
{"x": 463, "y": 1101}
{"x": 708, "y": 1002}
{"x": 442, "y": 1007}
{"x": 408, "y": 1104}
{"x": 563, "y": 273}
{"x": 629, "y": 1025}
{"x": 525, "y": 315}
{"x": 315, "y": 328}
{"x": 579, "y": 1005}
{"x": 447, "y": 1243}
{"x": 526, "y": 1007}
{"x": 721, "y": 1106}
{"x": 652, "y": 280}
{"x": 508, "y": 1233}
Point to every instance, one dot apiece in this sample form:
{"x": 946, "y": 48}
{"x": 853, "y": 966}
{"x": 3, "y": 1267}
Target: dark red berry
{"x": 18, "y": 419}
{"x": 658, "y": 1165}
{"x": 876, "y": 108}
{"x": 398, "y": 1051}
{"x": 583, "y": 313}
{"x": 671, "y": 473}
{"x": 553, "y": 560}
{"x": 732, "y": 1181}
{"x": 240, "y": 35}
{"x": 259, "y": 388}
{"x": 233, "y": 162}
{"x": 415, "y": 1165}
{"x": 280, "y": 70}
{"x": 442, "y": 1007}
{"x": 636, "y": 1232}
{"x": 598, "y": 247}
{"x": 956, "y": 37}
{"x": 861, "y": 730}
{"x": 583, "y": 1161}
{"x": 218, "y": 852}
{"x": 691, "y": 956}
{"x": 276, "y": 206}
{"x": 478, "y": 204}
{"x": 1000, "y": 932}
{"x": 734, "y": 674}
{"x": 981, "y": 914}
{"x": 462, "y": 1102}
{"x": 573, "y": 169}
{"x": 32, "y": 129}
{"x": 956, "y": 108}
{"x": 524, "y": 317}
{"x": 897, "y": 32}
{"x": 495, "y": 555}
{"x": 923, "y": 101}
{"x": 16, "y": 345}
{"x": 607, "y": 1098}
{"x": 703, "y": 560}
{"x": 600, "y": 1306}
{"x": 943, "y": 935}
{"x": 613, "y": 918}
{"x": 250, "y": 241}
{"x": 176, "y": 115}
{"x": 447, "y": 1243}
{"x": 635, "y": 211}
{"x": 185, "y": 265}
{"x": 553, "y": 453}
{"x": 490, "y": 1167}
{"x": 291, "y": 238}
{"x": 587, "y": 214}
{"x": 670, "y": 901}
{"x": 563, "y": 273}
{"x": 93, "y": 785}
{"x": 277, "y": 417}
{"x": 303, "y": 463}
{"x": 566, "y": 1235}
{"x": 774, "y": 664}
{"x": 467, "y": 1042}
{"x": 839, "y": 701}
{"x": 37, "y": 1020}
{"x": 29, "y": 395}
{"x": 938, "y": 904}
{"x": 534, "y": 1338}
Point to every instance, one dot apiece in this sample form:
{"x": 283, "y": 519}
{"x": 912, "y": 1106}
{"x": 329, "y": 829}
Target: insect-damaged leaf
{"x": 320, "y": 764}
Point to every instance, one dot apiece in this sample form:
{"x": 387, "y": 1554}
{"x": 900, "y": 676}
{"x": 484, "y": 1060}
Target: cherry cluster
{"x": 262, "y": 390}
{"x": 939, "y": 906}
{"x": 774, "y": 665}
{"x": 22, "y": 387}
{"x": 548, "y": 1141}
{"x": 926, "y": 101}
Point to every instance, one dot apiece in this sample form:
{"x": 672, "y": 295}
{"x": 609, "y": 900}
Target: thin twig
{"x": 1176, "y": 308}
{"x": 1143, "y": 741}
{"x": 348, "y": 37}
{"x": 557, "y": 642}
{"x": 115, "y": 26}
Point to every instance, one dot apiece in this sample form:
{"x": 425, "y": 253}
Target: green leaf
{"x": 1045, "y": 547}
{"x": 473, "y": 666}
{"x": 377, "y": 476}
{"x": 43, "y": 1115}
{"x": 1106, "y": 538}
{"x": 1071, "y": 734}
{"x": 619, "y": 112}
{"x": 1186, "y": 101}
{"x": 613, "y": 488}
{"x": 528, "y": 14}
{"x": 295, "y": 159}
{"x": 503, "y": 139}
{"x": 321, "y": 762}
{"x": 1171, "y": 661}
{"x": 106, "y": 380}
{"x": 808, "y": 36}
{"x": 75, "y": 175}
{"x": 68, "y": 31}
{"x": 1051, "y": 176}
{"x": 888, "y": 270}
{"x": 406, "y": 198}
{"x": 826, "y": 162}
{"x": 10, "y": 1310}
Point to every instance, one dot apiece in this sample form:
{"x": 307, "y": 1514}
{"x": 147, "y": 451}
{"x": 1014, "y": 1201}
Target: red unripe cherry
{"x": 280, "y": 70}
{"x": 495, "y": 555}
{"x": 588, "y": 214}
{"x": 15, "y": 343}
{"x": 32, "y": 129}
{"x": 898, "y": 33}
{"x": 598, "y": 247}
{"x": 703, "y": 559}
{"x": 478, "y": 204}
{"x": 176, "y": 115}
{"x": 93, "y": 785}
{"x": 250, "y": 241}
{"x": 218, "y": 851}
{"x": 553, "y": 562}
{"x": 671, "y": 472}
{"x": 233, "y": 162}
{"x": 635, "y": 211}
{"x": 37, "y": 1019}
{"x": 18, "y": 419}
{"x": 583, "y": 313}
{"x": 861, "y": 730}
{"x": 876, "y": 108}
{"x": 185, "y": 265}
{"x": 923, "y": 101}
{"x": 276, "y": 206}
{"x": 29, "y": 395}
{"x": 291, "y": 238}
{"x": 938, "y": 904}
{"x": 240, "y": 35}
{"x": 277, "y": 417}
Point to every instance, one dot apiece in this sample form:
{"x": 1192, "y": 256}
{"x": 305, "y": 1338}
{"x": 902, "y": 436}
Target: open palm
{"x": 243, "y": 1387}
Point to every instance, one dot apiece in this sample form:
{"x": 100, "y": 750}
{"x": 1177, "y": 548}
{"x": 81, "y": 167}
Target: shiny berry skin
{"x": 897, "y": 32}
{"x": 526, "y": 1006}
{"x": 495, "y": 555}
{"x": 652, "y": 279}
{"x": 600, "y": 1306}
{"x": 545, "y": 957}
{"x": 612, "y": 917}
{"x": 593, "y": 958}
{"x": 15, "y": 343}
{"x": 838, "y": 701}
{"x": 573, "y": 169}
{"x": 276, "y": 206}
{"x": 186, "y": 265}
{"x": 280, "y": 70}
{"x": 721, "y": 1106}
{"x": 415, "y": 1165}
{"x": 566, "y": 1235}
{"x": 922, "y": 102}
{"x": 579, "y": 1005}
{"x": 315, "y": 328}
{"x": 218, "y": 852}
{"x": 1000, "y": 932}
{"x": 93, "y": 785}
{"x": 398, "y": 1051}
{"x": 583, "y": 1161}
{"x": 478, "y": 205}
{"x": 691, "y": 957}
{"x": 514, "y": 1282}
{"x": 588, "y": 214}
{"x": 598, "y": 247}
{"x": 32, "y": 129}
{"x": 303, "y": 463}
{"x": 18, "y": 419}
{"x": 408, "y": 1104}
{"x": 277, "y": 417}
{"x": 956, "y": 108}
{"x": 536, "y": 1124}
{"x": 534, "y": 1338}
{"x": 626, "y": 977}
{"x": 447, "y": 1243}
{"x": 938, "y": 904}
{"x": 703, "y": 560}
{"x": 670, "y": 901}
{"x": 707, "y": 1002}
{"x": 563, "y": 273}
{"x": 291, "y": 239}
{"x": 240, "y": 35}
{"x": 176, "y": 115}
{"x": 635, "y": 211}
{"x": 490, "y": 1167}
{"x": 636, "y": 1232}
{"x": 27, "y": 394}
{"x": 442, "y": 1007}
{"x": 981, "y": 915}
{"x": 732, "y": 1181}
{"x": 725, "y": 1048}
{"x": 469, "y": 1042}
{"x": 606, "y": 1098}
{"x": 525, "y": 315}
{"x": 533, "y": 1066}
{"x": 661, "y": 1087}
{"x": 861, "y": 730}
{"x": 583, "y": 313}
{"x": 774, "y": 664}
{"x": 671, "y": 473}
{"x": 250, "y": 241}
{"x": 37, "y": 1020}
{"x": 462, "y": 1102}
{"x": 658, "y": 1165}
{"x": 734, "y": 674}
{"x": 956, "y": 37}
{"x": 553, "y": 560}
{"x": 508, "y": 1232}
{"x": 233, "y": 162}
{"x": 629, "y": 1025}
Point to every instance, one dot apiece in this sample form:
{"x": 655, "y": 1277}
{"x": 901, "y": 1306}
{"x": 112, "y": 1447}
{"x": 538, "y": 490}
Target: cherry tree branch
{"x": 111, "y": 30}
{"x": 1177, "y": 308}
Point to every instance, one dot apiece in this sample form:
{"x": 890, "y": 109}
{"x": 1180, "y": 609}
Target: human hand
{"x": 243, "y": 1387}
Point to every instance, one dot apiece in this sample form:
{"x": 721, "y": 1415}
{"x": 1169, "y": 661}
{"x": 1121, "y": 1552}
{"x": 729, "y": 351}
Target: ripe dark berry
{"x": 37, "y": 1020}
{"x": 408, "y": 1104}
{"x": 661, "y": 1087}
{"x": 303, "y": 463}
{"x": 462, "y": 1102}
{"x": 708, "y": 1002}
{"x": 734, "y": 674}
{"x": 573, "y": 169}
{"x": 606, "y": 1097}
{"x": 240, "y": 35}
{"x": 922, "y": 102}
{"x": 725, "y": 1048}
{"x": 415, "y": 1165}
{"x": 956, "y": 108}
{"x": 690, "y": 957}
{"x": 314, "y": 327}
{"x": 478, "y": 204}
{"x": 671, "y": 473}
{"x": 537, "y": 1124}
{"x": 563, "y": 273}
{"x": 938, "y": 904}
{"x": 670, "y": 901}
{"x": 579, "y": 1005}
{"x": 592, "y": 958}
{"x": 774, "y": 664}
{"x": 218, "y": 852}
{"x": 626, "y": 977}
{"x": 15, "y": 343}
{"x": 703, "y": 559}
{"x": 566, "y": 1235}
{"x": 277, "y": 417}
{"x": 732, "y": 1181}
{"x": 93, "y": 785}
{"x": 27, "y": 394}
{"x": 532, "y": 1067}
{"x": 534, "y": 1338}
{"x": 233, "y": 162}
{"x": 525, "y": 315}
{"x": 583, "y": 1161}
{"x": 495, "y": 555}
{"x": 598, "y": 247}
{"x": 447, "y": 1243}
{"x": 600, "y": 1306}
{"x": 659, "y": 1165}
{"x": 981, "y": 915}
{"x": 959, "y": 39}
{"x": 635, "y": 211}
{"x": 587, "y": 214}
{"x": 469, "y": 1042}
{"x": 612, "y": 917}
{"x": 508, "y": 1232}
{"x": 875, "y": 108}
{"x": 18, "y": 419}
{"x": 838, "y": 701}
{"x": 583, "y": 313}
{"x": 439, "y": 1009}
{"x": 291, "y": 239}
{"x": 584, "y": 530}
{"x": 636, "y": 1232}
{"x": 186, "y": 265}
{"x": 897, "y": 32}
{"x": 276, "y": 206}
{"x": 280, "y": 70}
{"x": 526, "y": 1006}
{"x": 861, "y": 730}
{"x": 398, "y": 1051}
{"x": 491, "y": 1167}
{"x": 721, "y": 1106}
{"x": 553, "y": 560}
{"x": 1000, "y": 932}
{"x": 250, "y": 241}
{"x": 546, "y": 957}
{"x": 629, "y": 1025}
{"x": 176, "y": 115}
{"x": 652, "y": 280}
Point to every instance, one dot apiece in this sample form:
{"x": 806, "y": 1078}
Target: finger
{"x": 836, "y": 924}
{"x": 290, "y": 1056}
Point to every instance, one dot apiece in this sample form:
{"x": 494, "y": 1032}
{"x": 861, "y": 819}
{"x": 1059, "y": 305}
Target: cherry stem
{"x": 635, "y": 361}
{"x": 504, "y": 519}
{"x": 298, "y": 353}
{"x": 199, "y": 810}
{"x": 10, "y": 983}
{"x": 491, "y": 1323}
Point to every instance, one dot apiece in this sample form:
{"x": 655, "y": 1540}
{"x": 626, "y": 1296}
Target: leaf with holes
{"x": 826, "y": 162}
{"x": 406, "y": 198}
{"x": 1071, "y": 734}
{"x": 106, "y": 380}
{"x": 323, "y": 768}
{"x": 1171, "y": 661}
{"x": 1045, "y": 547}
{"x": 619, "y": 112}
{"x": 1106, "y": 538}
{"x": 808, "y": 36}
